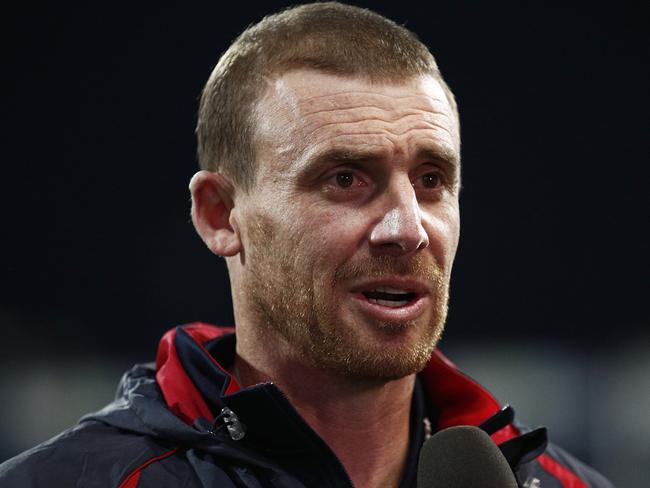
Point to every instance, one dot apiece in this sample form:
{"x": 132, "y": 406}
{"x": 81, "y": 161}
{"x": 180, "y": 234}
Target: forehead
{"x": 305, "y": 111}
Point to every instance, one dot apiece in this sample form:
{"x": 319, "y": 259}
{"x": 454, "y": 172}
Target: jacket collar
{"x": 192, "y": 375}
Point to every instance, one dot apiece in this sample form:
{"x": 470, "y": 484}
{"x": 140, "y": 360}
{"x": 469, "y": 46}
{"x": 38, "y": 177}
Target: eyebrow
{"x": 439, "y": 153}
{"x": 322, "y": 159}
{"x": 343, "y": 155}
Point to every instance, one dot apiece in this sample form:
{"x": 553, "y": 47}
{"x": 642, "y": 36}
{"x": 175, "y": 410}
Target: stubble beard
{"x": 303, "y": 314}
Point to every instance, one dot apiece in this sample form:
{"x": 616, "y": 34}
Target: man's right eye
{"x": 344, "y": 183}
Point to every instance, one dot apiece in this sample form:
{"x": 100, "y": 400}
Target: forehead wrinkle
{"x": 363, "y": 104}
{"x": 347, "y": 94}
{"x": 389, "y": 133}
{"x": 340, "y": 112}
{"x": 436, "y": 115}
{"x": 391, "y": 115}
{"x": 400, "y": 121}
{"x": 436, "y": 128}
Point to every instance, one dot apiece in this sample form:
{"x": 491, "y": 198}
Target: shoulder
{"x": 91, "y": 454}
{"x": 558, "y": 456}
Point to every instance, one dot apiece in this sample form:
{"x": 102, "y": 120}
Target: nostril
{"x": 424, "y": 242}
{"x": 396, "y": 246}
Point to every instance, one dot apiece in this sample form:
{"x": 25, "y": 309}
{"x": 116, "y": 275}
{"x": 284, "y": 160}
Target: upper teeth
{"x": 390, "y": 289}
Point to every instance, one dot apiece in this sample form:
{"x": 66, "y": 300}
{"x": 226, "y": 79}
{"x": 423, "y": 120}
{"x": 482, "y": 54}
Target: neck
{"x": 365, "y": 423}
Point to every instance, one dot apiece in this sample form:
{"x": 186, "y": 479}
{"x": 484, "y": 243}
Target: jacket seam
{"x": 137, "y": 471}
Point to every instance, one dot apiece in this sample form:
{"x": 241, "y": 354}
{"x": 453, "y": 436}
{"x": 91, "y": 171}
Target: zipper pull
{"x": 234, "y": 426}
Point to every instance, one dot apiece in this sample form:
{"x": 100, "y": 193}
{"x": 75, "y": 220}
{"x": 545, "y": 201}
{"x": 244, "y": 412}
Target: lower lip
{"x": 410, "y": 311}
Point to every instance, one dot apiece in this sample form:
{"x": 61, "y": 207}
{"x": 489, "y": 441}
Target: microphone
{"x": 463, "y": 457}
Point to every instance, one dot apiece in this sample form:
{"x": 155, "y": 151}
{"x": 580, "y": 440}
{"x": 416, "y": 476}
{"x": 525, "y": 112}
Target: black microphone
{"x": 463, "y": 457}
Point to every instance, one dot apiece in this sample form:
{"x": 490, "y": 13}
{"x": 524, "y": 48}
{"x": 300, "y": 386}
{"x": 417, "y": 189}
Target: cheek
{"x": 444, "y": 231}
{"x": 331, "y": 236}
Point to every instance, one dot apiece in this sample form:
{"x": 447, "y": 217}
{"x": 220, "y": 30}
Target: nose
{"x": 399, "y": 230}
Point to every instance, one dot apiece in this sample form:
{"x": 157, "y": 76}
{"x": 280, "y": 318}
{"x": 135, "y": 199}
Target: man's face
{"x": 350, "y": 231}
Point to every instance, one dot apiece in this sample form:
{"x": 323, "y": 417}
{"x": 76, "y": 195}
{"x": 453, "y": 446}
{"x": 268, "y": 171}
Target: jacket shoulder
{"x": 556, "y": 468}
{"x": 590, "y": 476}
{"x": 91, "y": 454}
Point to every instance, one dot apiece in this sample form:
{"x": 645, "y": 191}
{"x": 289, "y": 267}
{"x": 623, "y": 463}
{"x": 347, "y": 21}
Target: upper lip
{"x": 406, "y": 284}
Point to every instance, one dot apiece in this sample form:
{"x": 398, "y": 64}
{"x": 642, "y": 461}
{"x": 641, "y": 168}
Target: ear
{"x": 212, "y": 205}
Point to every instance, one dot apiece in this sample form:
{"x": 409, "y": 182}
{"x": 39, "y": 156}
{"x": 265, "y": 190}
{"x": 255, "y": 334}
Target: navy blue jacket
{"x": 185, "y": 423}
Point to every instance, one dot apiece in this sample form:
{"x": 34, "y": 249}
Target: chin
{"x": 389, "y": 351}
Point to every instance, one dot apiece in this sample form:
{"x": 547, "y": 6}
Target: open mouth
{"x": 388, "y": 296}
{"x": 392, "y": 299}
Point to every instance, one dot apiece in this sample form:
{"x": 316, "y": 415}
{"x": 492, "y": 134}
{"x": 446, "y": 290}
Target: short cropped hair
{"x": 329, "y": 37}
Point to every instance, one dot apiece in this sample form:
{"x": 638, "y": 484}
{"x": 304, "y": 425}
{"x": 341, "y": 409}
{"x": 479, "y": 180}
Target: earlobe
{"x": 212, "y": 206}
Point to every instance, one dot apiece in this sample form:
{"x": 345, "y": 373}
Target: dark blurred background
{"x": 549, "y": 294}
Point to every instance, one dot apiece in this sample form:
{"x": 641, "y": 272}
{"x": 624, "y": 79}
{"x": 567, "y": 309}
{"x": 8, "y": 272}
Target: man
{"x": 330, "y": 153}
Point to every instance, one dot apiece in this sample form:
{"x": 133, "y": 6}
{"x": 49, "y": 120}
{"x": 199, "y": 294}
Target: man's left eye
{"x": 431, "y": 180}
{"x": 345, "y": 180}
